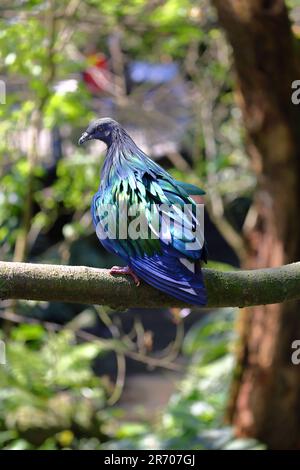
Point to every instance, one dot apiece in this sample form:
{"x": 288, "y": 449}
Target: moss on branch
{"x": 96, "y": 286}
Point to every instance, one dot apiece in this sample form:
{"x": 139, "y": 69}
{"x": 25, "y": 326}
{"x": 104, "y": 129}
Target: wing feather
{"x": 167, "y": 264}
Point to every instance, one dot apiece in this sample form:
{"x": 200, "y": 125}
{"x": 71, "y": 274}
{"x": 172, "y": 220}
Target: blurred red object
{"x": 97, "y": 75}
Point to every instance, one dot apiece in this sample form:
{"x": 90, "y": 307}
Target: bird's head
{"x": 101, "y": 129}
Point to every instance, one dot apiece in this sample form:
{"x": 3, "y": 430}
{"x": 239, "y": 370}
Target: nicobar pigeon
{"x": 130, "y": 178}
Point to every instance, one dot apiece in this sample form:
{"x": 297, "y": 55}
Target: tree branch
{"x": 96, "y": 286}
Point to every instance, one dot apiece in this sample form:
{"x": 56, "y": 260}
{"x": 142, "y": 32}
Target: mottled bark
{"x": 266, "y": 402}
{"x": 97, "y": 286}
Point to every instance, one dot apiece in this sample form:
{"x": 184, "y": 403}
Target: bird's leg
{"x": 127, "y": 271}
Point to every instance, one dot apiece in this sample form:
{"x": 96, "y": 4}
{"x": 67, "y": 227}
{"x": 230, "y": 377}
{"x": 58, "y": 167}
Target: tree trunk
{"x": 266, "y": 400}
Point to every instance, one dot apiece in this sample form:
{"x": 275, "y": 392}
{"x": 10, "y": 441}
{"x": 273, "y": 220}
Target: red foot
{"x": 127, "y": 271}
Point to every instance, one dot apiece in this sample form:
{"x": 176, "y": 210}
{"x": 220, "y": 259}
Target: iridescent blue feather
{"x": 129, "y": 177}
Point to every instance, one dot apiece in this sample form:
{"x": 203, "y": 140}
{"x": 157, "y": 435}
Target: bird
{"x": 129, "y": 178}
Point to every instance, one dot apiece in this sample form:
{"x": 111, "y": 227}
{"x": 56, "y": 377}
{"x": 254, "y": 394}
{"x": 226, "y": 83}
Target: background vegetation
{"x": 165, "y": 70}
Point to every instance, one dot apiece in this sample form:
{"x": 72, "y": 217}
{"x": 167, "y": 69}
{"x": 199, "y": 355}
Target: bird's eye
{"x": 100, "y": 128}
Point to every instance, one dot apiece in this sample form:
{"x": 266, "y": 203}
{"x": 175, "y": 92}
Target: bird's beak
{"x": 85, "y": 136}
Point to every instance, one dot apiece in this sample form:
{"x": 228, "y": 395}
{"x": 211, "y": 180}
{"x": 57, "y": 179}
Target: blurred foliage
{"x": 49, "y": 395}
{"x": 194, "y": 417}
{"x": 50, "y": 398}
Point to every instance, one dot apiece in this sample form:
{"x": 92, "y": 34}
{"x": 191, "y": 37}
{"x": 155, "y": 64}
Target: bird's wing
{"x": 167, "y": 260}
{"x": 170, "y": 274}
{"x": 175, "y": 204}
{"x": 175, "y": 269}
{"x": 190, "y": 189}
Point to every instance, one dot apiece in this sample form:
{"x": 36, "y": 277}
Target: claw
{"x": 127, "y": 271}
